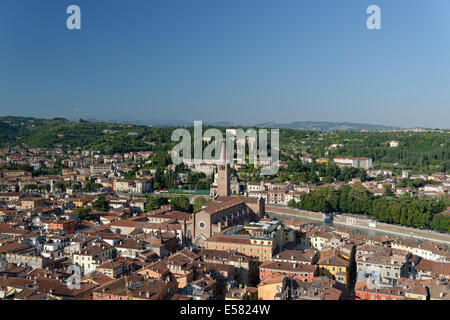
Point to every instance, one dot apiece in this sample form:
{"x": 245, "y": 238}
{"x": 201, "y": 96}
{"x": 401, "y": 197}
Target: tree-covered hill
{"x": 101, "y": 136}
{"x": 424, "y": 152}
{"x": 427, "y": 151}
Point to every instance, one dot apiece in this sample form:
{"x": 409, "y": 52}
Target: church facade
{"x": 225, "y": 210}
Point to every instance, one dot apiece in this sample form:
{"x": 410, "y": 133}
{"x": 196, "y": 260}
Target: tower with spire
{"x": 223, "y": 182}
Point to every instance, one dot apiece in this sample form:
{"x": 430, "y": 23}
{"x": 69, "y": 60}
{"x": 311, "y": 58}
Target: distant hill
{"x": 170, "y": 123}
{"x": 325, "y": 126}
{"x": 298, "y": 125}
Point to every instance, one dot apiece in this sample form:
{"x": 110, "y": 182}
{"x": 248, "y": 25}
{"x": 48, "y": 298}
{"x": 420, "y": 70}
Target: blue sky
{"x": 247, "y": 61}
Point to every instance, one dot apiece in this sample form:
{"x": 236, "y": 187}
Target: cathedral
{"x": 225, "y": 210}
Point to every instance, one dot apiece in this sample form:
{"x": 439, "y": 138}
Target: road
{"x": 397, "y": 230}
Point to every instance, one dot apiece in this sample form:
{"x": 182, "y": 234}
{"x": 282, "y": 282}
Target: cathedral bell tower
{"x": 223, "y": 183}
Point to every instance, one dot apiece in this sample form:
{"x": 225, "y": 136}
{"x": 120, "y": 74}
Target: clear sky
{"x": 248, "y": 61}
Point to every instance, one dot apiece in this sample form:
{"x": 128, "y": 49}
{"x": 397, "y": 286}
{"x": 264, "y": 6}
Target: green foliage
{"x": 181, "y": 168}
{"x": 91, "y": 186}
{"x": 100, "y": 204}
{"x": 155, "y": 202}
{"x": 182, "y": 203}
{"x": 84, "y": 213}
{"x": 29, "y": 187}
{"x": 7, "y": 131}
{"x": 388, "y": 191}
{"x": 60, "y": 185}
{"x": 441, "y": 222}
{"x": 132, "y": 173}
{"x": 44, "y": 187}
{"x": 197, "y": 181}
{"x": 415, "y": 183}
{"x": 164, "y": 179}
{"x": 34, "y": 187}
{"x": 310, "y": 172}
{"x": 199, "y": 203}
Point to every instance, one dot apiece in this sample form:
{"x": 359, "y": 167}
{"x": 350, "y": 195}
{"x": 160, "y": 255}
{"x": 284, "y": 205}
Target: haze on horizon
{"x": 248, "y": 61}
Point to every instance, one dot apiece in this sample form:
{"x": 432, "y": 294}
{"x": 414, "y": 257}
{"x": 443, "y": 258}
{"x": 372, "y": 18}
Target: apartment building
{"x": 299, "y": 271}
{"x": 91, "y": 256}
{"x": 389, "y": 268}
{"x": 364, "y": 291}
{"x": 359, "y": 163}
{"x": 258, "y": 245}
{"x": 100, "y": 168}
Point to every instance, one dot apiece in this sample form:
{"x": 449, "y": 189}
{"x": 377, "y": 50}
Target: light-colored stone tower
{"x": 223, "y": 182}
